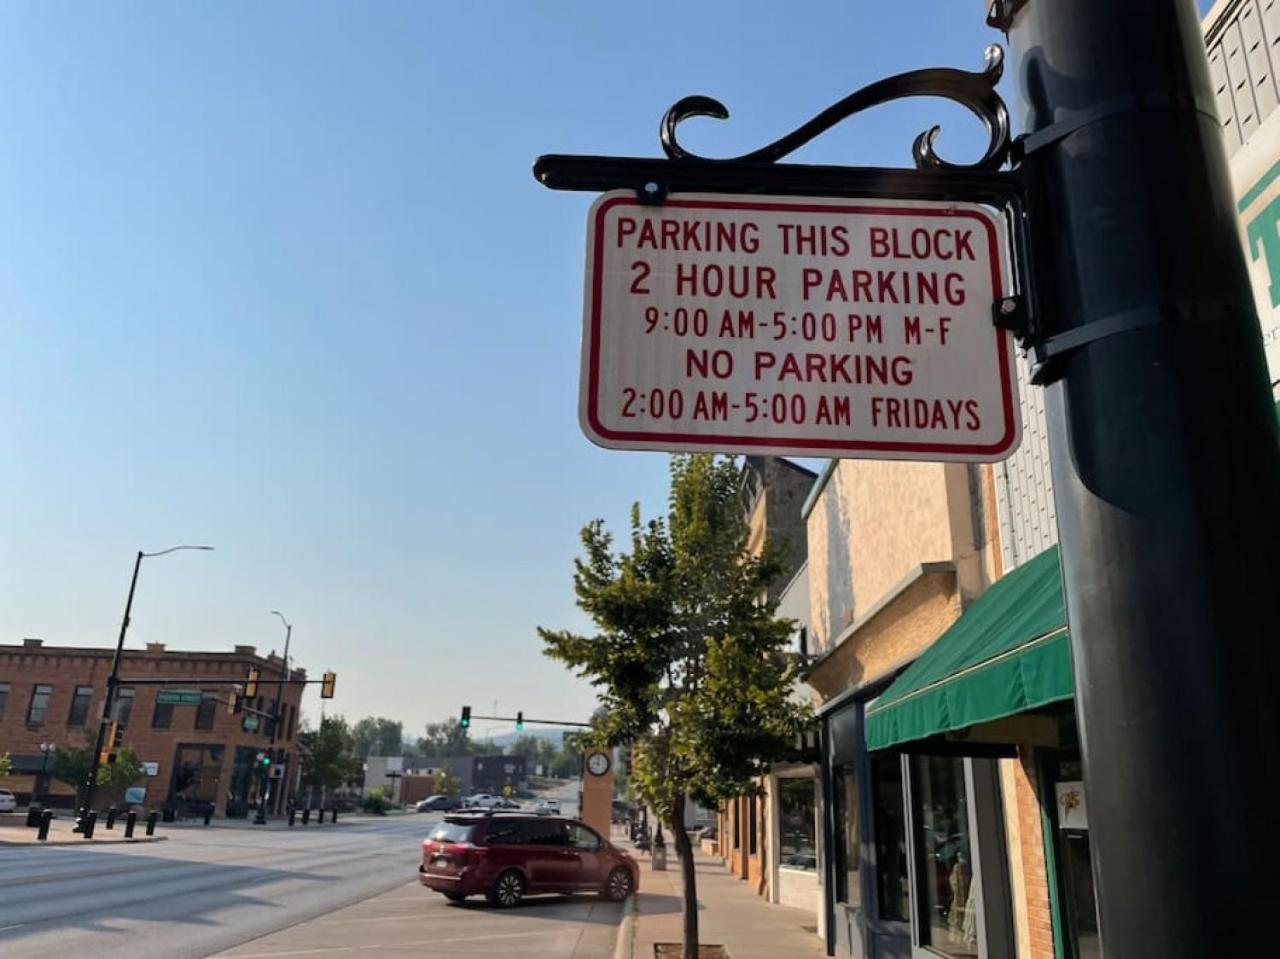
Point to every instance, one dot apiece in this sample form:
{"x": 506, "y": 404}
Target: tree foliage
{"x": 447, "y": 784}
{"x": 689, "y": 658}
{"x": 377, "y": 736}
{"x": 448, "y": 738}
{"x": 328, "y": 754}
{"x": 6, "y": 764}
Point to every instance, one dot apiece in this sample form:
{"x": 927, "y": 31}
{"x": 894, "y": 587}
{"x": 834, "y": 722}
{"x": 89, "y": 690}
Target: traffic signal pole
{"x": 1166, "y": 469}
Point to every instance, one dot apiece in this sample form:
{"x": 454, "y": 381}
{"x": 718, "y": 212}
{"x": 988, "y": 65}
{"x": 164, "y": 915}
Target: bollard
{"x": 151, "y": 824}
{"x": 333, "y": 815}
{"x": 33, "y": 815}
{"x": 208, "y": 814}
{"x": 111, "y": 817}
{"x": 46, "y": 818}
{"x": 170, "y": 814}
{"x": 130, "y": 821}
{"x": 320, "y": 815}
{"x": 306, "y": 816}
{"x": 90, "y": 821}
{"x": 292, "y": 814}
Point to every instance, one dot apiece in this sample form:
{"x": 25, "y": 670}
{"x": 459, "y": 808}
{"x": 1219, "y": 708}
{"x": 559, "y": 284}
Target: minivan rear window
{"x": 453, "y": 832}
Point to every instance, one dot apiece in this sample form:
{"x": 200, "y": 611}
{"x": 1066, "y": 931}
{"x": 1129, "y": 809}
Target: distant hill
{"x": 553, "y": 733}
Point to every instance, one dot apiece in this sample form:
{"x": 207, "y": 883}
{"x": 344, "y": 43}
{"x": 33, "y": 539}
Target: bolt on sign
{"x": 800, "y": 325}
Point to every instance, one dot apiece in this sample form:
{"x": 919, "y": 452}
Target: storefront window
{"x": 798, "y": 842}
{"x": 949, "y": 894}
{"x": 848, "y": 876}
{"x": 892, "y": 885}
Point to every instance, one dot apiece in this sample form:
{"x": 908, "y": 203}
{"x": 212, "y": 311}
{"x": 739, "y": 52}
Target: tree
{"x": 121, "y": 774}
{"x": 690, "y": 658}
{"x": 447, "y": 784}
{"x": 71, "y": 763}
{"x": 6, "y": 764}
{"x": 377, "y": 736}
{"x": 527, "y": 746}
{"x": 328, "y": 758}
{"x": 449, "y": 738}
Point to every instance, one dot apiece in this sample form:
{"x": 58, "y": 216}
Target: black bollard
{"x": 320, "y": 815}
{"x": 111, "y": 817}
{"x": 151, "y": 824}
{"x": 306, "y": 816}
{"x": 292, "y": 814}
{"x": 90, "y": 821}
{"x": 46, "y": 817}
{"x": 33, "y": 815}
{"x": 208, "y": 814}
{"x": 130, "y": 821}
{"x": 333, "y": 815}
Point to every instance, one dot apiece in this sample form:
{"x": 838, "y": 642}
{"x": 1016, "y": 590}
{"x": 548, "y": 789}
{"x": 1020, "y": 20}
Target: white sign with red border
{"x": 797, "y": 325}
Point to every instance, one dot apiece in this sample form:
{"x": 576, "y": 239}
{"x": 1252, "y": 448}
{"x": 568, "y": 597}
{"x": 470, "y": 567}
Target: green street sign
{"x": 179, "y": 697}
{"x": 250, "y": 723}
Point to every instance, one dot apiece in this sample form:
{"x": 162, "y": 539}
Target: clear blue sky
{"x": 276, "y": 277}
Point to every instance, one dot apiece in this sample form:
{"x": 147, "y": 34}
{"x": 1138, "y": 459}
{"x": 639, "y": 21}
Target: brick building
{"x": 55, "y": 695}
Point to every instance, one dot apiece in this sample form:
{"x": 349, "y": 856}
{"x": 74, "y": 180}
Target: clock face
{"x": 598, "y": 764}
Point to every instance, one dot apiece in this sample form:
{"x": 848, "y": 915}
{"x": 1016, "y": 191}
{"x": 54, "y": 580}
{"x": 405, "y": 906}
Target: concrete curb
{"x": 624, "y": 945}
{"x": 75, "y": 843}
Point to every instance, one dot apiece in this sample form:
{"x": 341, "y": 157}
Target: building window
{"x": 206, "y": 710}
{"x": 949, "y": 895}
{"x": 80, "y": 706}
{"x": 888, "y": 820}
{"x": 737, "y": 824}
{"x": 124, "y": 705}
{"x": 848, "y": 839}
{"x": 162, "y": 718}
{"x": 752, "y": 802}
{"x": 39, "y": 704}
{"x": 4, "y": 698}
{"x": 804, "y": 640}
{"x": 798, "y": 839}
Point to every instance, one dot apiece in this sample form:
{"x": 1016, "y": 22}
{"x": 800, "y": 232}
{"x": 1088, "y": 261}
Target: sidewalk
{"x": 15, "y": 832}
{"x": 729, "y": 914}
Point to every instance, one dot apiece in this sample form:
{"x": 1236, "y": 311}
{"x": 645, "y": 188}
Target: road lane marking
{"x": 390, "y": 945}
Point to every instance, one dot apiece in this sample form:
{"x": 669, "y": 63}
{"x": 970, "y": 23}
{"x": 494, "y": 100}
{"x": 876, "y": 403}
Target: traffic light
{"x": 465, "y": 721}
{"x": 326, "y": 687}
{"x": 114, "y": 740}
{"x": 520, "y": 720}
{"x": 265, "y": 760}
{"x": 251, "y": 684}
{"x": 234, "y": 701}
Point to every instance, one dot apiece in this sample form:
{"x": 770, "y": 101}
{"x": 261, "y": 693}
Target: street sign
{"x": 151, "y": 769}
{"x": 179, "y": 697}
{"x": 250, "y": 722}
{"x": 806, "y": 326}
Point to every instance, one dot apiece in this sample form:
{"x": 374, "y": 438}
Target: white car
{"x": 8, "y": 802}
{"x": 481, "y": 801}
{"x": 548, "y": 807}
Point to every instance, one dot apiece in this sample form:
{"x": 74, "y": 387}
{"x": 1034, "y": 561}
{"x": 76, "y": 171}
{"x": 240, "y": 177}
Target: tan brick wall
{"x": 1031, "y": 847}
{"x": 65, "y": 668}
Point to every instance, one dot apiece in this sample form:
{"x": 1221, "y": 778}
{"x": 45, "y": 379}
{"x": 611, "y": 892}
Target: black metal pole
{"x": 91, "y": 783}
{"x": 1166, "y": 468}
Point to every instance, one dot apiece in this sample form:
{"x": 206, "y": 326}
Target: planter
{"x": 675, "y": 950}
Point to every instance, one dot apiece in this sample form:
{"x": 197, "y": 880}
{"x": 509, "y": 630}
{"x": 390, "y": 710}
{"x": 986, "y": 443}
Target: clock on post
{"x": 597, "y": 790}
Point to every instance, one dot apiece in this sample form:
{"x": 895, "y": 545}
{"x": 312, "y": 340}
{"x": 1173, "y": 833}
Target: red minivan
{"x": 507, "y": 856}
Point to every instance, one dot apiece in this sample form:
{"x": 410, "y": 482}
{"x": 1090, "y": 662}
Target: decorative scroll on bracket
{"x": 974, "y": 91}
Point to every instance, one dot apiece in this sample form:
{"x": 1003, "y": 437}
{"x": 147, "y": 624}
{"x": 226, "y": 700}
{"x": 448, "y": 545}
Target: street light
{"x": 45, "y": 750}
{"x": 91, "y": 783}
{"x": 261, "y": 817}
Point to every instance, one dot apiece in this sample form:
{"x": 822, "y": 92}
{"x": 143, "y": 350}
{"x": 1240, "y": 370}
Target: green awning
{"x": 1007, "y": 653}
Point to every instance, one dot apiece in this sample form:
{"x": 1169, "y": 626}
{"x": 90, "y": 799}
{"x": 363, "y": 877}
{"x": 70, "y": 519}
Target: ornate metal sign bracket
{"x": 758, "y": 172}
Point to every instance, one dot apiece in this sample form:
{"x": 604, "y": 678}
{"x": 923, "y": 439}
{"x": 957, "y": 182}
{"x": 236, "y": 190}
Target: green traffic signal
{"x": 519, "y": 721}
{"x": 465, "y": 721}
{"x": 266, "y": 760}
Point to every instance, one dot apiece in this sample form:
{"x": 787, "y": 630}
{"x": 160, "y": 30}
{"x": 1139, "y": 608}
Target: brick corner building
{"x": 195, "y": 754}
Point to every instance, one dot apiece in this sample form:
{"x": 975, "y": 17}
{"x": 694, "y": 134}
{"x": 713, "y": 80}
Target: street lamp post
{"x": 45, "y": 750}
{"x": 275, "y": 714}
{"x": 91, "y": 783}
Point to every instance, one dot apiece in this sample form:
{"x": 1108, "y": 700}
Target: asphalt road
{"x": 201, "y": 892}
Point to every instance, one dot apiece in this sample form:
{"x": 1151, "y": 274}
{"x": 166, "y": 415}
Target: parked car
{"x": 439, "y": 803}
{"x": 548, "y": 807}
{"x": 480, "y": 801}
{"x": 507, "y": 856}
{"x": 8, "y": 801}
{"x": 505, "y": 803}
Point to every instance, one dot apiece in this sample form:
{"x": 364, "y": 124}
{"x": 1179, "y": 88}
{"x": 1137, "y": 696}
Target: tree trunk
{"x": 684, "y": 852}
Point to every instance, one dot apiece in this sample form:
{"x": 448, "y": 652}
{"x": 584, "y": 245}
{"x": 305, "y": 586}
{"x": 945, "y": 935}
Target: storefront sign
{"x": 1072, "y": 811}
{"x": 799, "y": 325}
{"x": 151, "y": 769}
{"x": 135, "y": 795}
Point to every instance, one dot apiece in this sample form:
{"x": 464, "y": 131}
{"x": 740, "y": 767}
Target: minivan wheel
{"x": 508, "y": 889}
{"x": 618, "y": 886}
